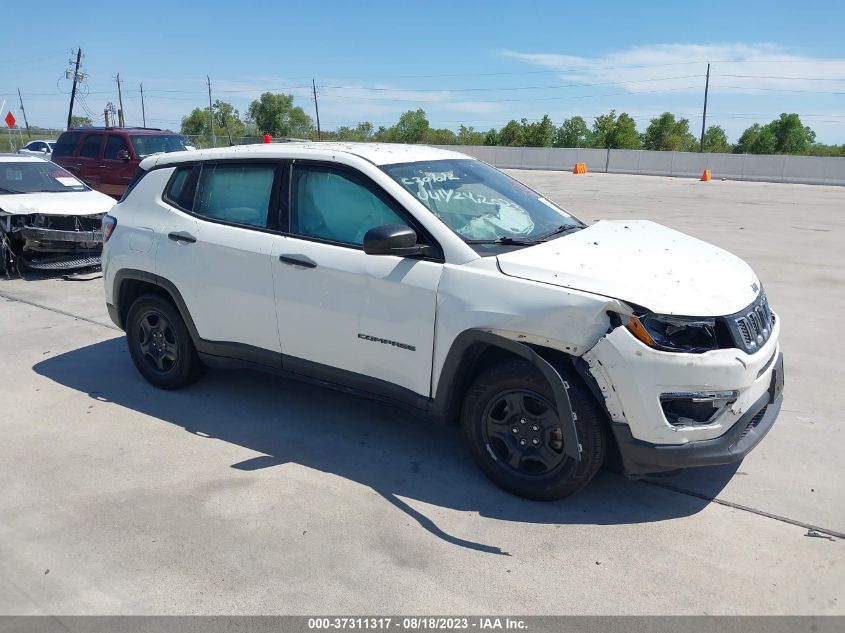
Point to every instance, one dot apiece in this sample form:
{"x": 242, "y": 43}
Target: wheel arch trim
{"x": 460, "y": 353}
{"x": 131, "y": 274}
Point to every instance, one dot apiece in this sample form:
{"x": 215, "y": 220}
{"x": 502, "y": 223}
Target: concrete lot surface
{"x": 251, "y": 494}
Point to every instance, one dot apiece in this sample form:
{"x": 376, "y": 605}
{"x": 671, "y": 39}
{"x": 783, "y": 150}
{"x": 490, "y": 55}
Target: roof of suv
{"x": 376, "y": 153}
{"x": 128, "y": 130}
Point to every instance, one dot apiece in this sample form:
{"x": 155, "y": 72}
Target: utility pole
{"x": 704, "y": 115}
{"x": 28, "y": 135}
{"x": 120, "y": 119}
{"x": 211, "y": 113}
{"x": 316, "y": 109}
{"x": 106, "y": 116}
{"x": 143, "y": 109}
{"x": 73, "y": 90}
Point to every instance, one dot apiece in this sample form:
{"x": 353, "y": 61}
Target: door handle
{"x": 298, "y": 260}
{"x": 79, "y": 164}
{"x": 182, "y": 236}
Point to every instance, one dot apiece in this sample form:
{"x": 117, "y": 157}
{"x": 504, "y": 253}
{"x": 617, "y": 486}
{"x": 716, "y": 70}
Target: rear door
{"x": 116, "y": 172}
{"x": 87, "y": 163}
{"x": 216, "y": 248}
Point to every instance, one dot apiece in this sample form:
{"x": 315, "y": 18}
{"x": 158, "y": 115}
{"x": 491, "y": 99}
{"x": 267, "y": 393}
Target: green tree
{"x": 573, "y": 132}
{"x": 440, "y": 136}
{"x": 539, "y": 133}
{"x": 665, "y": 133}
{"x": 603, "y": 129}
{"x": 511, "y": 134}
{"x": 716, "y": 140}
{"x": 382, "y": 135}
{"x": 468, "y": 136}
{"x": 360, "y": 133}
{"x": 275, "y": 114}
{"x": 412, "y": 127}
{"x": 80, "y": 121}
{"x": 610, "y": 131}
{"x": 757, "y": 139}
{"x": 791, "y": 136}
{"x": 227, "y": 120}
{"x": 492, "y": 137}
{"x": 195, "y": 123}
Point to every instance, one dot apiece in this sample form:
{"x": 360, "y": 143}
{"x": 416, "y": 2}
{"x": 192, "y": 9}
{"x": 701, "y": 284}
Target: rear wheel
{"x": 512, "y": 425}
{"x": 160, "y": 344}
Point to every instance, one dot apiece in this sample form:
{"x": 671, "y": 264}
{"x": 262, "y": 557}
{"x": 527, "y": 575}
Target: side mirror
{"x": 122, "y": 154}
{"x": 46, "y": 150}
{"x": 393, "y": 239}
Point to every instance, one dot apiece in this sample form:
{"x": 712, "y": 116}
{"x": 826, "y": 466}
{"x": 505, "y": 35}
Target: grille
{"x": 754, "y": 324}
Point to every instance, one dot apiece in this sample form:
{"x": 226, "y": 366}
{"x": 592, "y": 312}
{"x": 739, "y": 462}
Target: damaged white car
{"x": 49, "y": 220}
{"x": 426, "y": 278}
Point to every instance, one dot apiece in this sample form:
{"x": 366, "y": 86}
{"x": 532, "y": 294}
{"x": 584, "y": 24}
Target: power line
{"x": 480, "y": 89}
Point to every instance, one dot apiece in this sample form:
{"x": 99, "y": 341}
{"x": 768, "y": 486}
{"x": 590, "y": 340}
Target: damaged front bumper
{"x": 634, "y": 381}
{"x": 640, "y": 458}
{"x": 43, "y": 242}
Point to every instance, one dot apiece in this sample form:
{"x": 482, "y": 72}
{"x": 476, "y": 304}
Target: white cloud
{"x": 736, "y": 67}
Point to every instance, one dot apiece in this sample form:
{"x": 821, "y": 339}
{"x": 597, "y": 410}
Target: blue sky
{"x": 478, "y": 63}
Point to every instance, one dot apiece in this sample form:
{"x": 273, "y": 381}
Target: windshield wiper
{"x": 563, "y": 228}
{"x": 516, "y": 241}
{"x": 505, "y": 241}
{"x": 10, "y": 190}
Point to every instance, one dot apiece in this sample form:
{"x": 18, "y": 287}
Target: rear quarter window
{"x": 66, "y": 144}
{"x": 182, "y": 186}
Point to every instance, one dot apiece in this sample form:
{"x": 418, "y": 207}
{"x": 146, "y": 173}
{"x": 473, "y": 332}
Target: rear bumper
{"x": 640, "y": 458}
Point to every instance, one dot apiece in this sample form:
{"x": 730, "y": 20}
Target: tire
{"x": 160, "y": 344}
{"x": 511, "y": 424}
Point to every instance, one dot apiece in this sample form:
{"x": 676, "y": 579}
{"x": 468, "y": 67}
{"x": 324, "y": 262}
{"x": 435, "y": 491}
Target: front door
{"x": 339, "y": 308}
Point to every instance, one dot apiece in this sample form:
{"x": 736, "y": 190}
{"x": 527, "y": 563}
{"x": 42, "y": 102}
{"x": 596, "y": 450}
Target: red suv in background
{"x": 106, "y": 159}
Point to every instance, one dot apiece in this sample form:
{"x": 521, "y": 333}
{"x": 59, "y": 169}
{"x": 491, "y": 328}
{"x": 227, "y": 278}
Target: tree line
{"x": 275, "y": 114}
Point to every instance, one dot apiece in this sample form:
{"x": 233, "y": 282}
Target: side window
{"x": 329, "y": 205}
{"x": 114, "y": 144}
{"x": 181, "y": 187}
{"x": 91, "y": 147}
{"x": 66, "y": 144}
{"x": 236, "y": 192}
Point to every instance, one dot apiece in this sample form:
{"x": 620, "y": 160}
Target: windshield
{"x": 480, "y": 203}
{"x": 36, "y": 176}
{"x": 148, "y": 144}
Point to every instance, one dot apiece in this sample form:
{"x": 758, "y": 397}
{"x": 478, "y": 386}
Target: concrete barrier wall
{"x": 812, "y": 170}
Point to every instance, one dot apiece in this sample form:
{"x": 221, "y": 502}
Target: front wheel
{"x": 511, "y": 423}
{"x": 160, "y": 344}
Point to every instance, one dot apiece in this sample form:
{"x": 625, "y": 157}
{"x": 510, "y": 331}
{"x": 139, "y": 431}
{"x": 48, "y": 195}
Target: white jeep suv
{"x": 429, "y": 279}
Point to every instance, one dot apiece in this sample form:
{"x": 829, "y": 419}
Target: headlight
{"x": 676, "y": 334}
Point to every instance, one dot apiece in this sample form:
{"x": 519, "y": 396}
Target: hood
{"x": 58, "y": 203}
{"x": 643, "y": 263}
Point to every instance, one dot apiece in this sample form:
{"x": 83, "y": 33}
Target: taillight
{"x": 109, "y": 225}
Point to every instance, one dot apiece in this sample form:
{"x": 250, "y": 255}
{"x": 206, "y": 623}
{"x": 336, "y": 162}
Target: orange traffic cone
{"x": 580, "y": 168}
{"x": 706, "y": 176}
